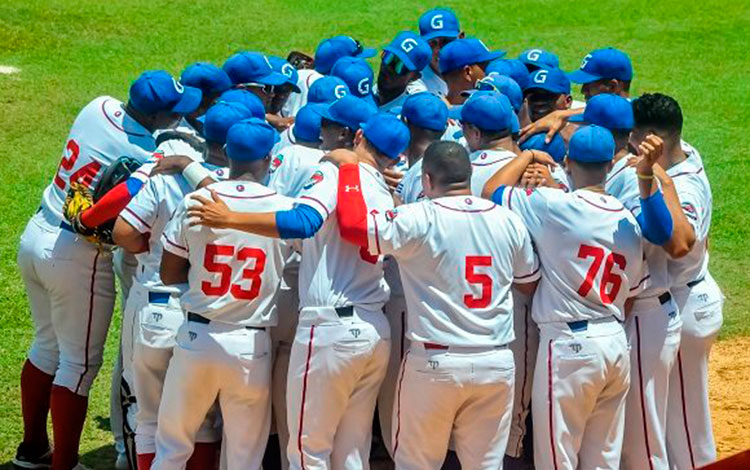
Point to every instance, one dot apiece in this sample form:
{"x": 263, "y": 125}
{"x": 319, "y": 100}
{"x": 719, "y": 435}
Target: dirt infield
{"x": 729, "y": 385}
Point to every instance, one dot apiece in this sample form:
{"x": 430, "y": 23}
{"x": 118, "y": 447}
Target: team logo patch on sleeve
{"x": 390, "y": 215}
{"x": 276, "y": 163}
{"x": 690, "y": 211}
{"x": 316, "y": 178}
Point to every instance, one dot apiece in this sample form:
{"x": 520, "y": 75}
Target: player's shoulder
{"x": 482, "y": 158}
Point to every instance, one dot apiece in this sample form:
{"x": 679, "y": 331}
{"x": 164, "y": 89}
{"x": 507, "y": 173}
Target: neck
{"x": 506, "y": 143}
{"x": 621, "y": 154}
{"x": 137, "y": 116}
{"x": 457, "y": 191}
{"x": 597, "y": 188}
{"x": 673, "y": 153}
{"x": 366, "y": 157}
{"x": 387, "y": 95}
{"x": 242, "y": 174}
{"x": 454, "y": 96}
{"x": 416, "y": 150}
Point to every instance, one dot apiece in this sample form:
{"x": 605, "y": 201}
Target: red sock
{"x": 205, "y": 456}
{"x": 145, "y": 460}
{"x": 68, "y": 415}
{"x": 35, "y": 391}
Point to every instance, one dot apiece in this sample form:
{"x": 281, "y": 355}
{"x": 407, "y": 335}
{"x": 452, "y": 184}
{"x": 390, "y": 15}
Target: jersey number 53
{"x": 224, "y": 270}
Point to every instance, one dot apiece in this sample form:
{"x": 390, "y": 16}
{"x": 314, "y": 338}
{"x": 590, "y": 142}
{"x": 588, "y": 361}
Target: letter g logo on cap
{"x": 585, "y": 61}
{"x": 534, "y": 54}
{"x": 363, "y": 87}
{"x": 408, "y": 44}
{"x": 287, "y": 70}
{"x": 340, "y": 91}
{"x": 437, "y": 22}
{"x": 540, "y": 77}
{"x": 178, "y": 86}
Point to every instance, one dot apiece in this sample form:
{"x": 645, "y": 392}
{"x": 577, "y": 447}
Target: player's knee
{"x": 44, "y": 357}
{"x": 77, "y": 377}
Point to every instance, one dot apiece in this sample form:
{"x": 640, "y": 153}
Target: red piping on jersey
{"x": 304, "y": 396}
{"x": 510, "y": 197}
{"x": 130, "y": 211}
{"x": 528, "y": 275}
{"x": 550, "y": 404}
{"x": 234, "y": 196}
{"x": 351, "y": 209}
{"x": 600, "y": 207}
{"x": 683, "y": 173}
{"x": 398, "y": 404}
{"x": 88, "y": 324}
{"x": 648, "y": 276}
{"x": 403, "y": 333}
{"x": 624, "y": 167}
{"x": 640, "y": 389}
{"x": 684, "y": 409}
{"x": 469, "y": 211}
{"x": 175, "y": 244}
{"x": 492, "y": 162}
{"x": 328, "y": 214}
{"x": 117, "y": 126}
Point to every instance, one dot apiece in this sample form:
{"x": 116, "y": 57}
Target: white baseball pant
{"x": 466, "y": 393}
{"x": 395, "y": 312}
{"x": 524, "y": 349}
{"x": 690, "y": 439}
{"x": 336, "y": 367}
{"x": 578, "y": 399}
{"x": 71, "y": 290}
{"x": 653, "y": 329}
{"x": 216, "y": 361}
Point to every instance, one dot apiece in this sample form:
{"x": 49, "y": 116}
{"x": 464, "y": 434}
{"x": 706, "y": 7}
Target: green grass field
{"x": 70, "y": 51}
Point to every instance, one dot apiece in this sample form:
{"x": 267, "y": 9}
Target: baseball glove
{"x": 300, "y": 60}
{"x": 80, "y": 198}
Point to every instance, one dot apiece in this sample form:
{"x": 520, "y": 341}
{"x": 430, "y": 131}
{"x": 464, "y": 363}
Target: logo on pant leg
{"x": 355, "y": 332}
{"x": 157, "y": 316}
{"x": 433, "y": 364}
{"x": 576, "y": 347}
{"x": 192, "y": 335}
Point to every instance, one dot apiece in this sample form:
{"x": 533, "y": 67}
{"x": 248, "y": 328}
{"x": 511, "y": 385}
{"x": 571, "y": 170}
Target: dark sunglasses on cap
{"x": 391, "y": 61}
{"x": 267, "y": 89}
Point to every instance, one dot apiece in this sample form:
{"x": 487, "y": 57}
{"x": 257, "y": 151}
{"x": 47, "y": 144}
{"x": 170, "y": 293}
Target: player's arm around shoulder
{"x": 133, "y": 225}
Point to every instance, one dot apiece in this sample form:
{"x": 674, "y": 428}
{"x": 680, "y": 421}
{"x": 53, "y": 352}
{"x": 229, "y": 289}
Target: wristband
{"x": 645, "y": 177}
{"x": 194, "y": 173}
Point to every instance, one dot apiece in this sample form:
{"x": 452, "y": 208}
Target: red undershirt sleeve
{"x": 351, "y": 210}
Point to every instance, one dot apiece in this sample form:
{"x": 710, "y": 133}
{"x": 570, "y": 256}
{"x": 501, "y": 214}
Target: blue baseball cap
{"x": 539, "y": 58}
{"x": 156, "y": 91}
{"x": 387, "y": 133}
{"x": 357, "y": 74}
{"x": 413, "y": 51}
{"x": 327, "y": 90}
{"x": 463, "y": 52}
{"x": 332, "y": 49}
{"x": 556, "y": 148}
{"x": 249, "y": 140}
{"x": 608, "y": 63}
{"x": 247, "y": 99}
{"x": 488, "y": 110}
{"x": 551, "y": 80}
{"x": 208, "y": 77}
{"x": 349, "y": 111}
{"x": 252, "y": 67}
{"x": 220, "y": 117}
{"x": 307, "y": 122}
{"x": 502, "y": 84}
{"x": 608, "y": 111}
{"x": 512, "y": 68}
{"x": 591, "y": 144}
{"x": 439, "y": 23}
{"x": 425, "y": 110}
{"x": 286, "y": 69}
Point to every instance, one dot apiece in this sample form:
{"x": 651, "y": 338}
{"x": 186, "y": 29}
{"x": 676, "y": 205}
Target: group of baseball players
{"x": 422, "y": 262}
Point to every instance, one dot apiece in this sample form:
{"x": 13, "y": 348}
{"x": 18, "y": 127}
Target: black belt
{"x": 196, "y": 318}
{"x": 580, "y": 325}
{"x": 665, "y": 297}
{"x": 63, "y": 225}
{"x": 158, "y": 297}
{"x": 692, "y": 284}
{"x": 345, "y": 312}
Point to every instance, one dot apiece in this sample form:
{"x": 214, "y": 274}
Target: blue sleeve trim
{"x": 134, "y": 185}
{"x": 655, "y": 220}
{"x": 300, "y": 222}
{"x": 497, "y": 196}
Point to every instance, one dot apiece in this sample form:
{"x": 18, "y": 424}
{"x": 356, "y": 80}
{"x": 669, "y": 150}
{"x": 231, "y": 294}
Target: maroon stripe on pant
{"x": 525, "y": 372}
{"x": 88, "y": 324}
{"x": 640, "y": 388}
{"x": 550, "y": 399}
{"x": 684, "y": 409}
{"x": 398, "y": 404}
{"x": 304, "y": 396}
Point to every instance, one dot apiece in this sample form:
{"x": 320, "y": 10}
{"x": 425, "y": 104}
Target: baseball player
{"x": 342, "y": 345}
{"x": 357, "y": 74}
{"x": 590, "y": 247}
{"x": 438, "y": 27}
{"x": 457, "y": 376}
{"x": 536, "y": 59}
{"x": 223, "y": 350}
{"x": 462, "y": 63}
{"x": 211, "y": 80}
{"x": 281, "y": 93}
{"x": 304, "y": 132}
{"x": 153, "y": 315}
{"x": 690, "y": 442}
{"x": 253, "y": 71}
{"x": 401, "y": 65}
{"x": 71, "y": 317}
{"x": 548, "y": 91}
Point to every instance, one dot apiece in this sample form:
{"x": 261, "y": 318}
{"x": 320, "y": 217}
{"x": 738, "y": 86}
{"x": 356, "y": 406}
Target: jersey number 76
{"x": 609, "y": 284}
{"x": 224, "y": 270}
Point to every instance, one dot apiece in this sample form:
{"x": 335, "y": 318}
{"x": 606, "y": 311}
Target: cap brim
{"x": 326, "y": 114}
{"x": 492, "y": 55}
{"x": 366, "y": 53}
{"x": 190, "y": 101}
{"x": 201, "y": 119}
{"x": 548, "y": 90}
{"x": 273, "y": 78}
{"x": 401, "y": 55}
{"x": 581, "y": 77}
{"x": 441, "y": 34}
{"x": 455, "y": 112}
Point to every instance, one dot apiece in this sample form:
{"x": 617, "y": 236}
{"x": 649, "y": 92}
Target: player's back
{"x": 102, "y": 132}
{"x": 234, "y": 276}
{"x": 458, "y": 276}
{"x": 292, "y": 168}
{"x": 484, "y": 164}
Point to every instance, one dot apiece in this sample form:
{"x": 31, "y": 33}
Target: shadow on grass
{"x": 102, "y": 458}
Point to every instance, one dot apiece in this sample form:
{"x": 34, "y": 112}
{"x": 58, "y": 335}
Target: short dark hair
{"x": 447, "y": 163}
{"x": 658, "y": 111}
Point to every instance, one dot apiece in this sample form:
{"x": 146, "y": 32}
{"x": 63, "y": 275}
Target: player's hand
{"x": 551, "y": 124}
{"x": 537, "y": 175}
{"x": 171, "y": 165}
{"x": 280, "y": 123}
{"x": 543, "y": 158}
{"x": 211, "y": 212}
{"x": 392, "y": 178}
{"x": 341, "y": 157}
{"x": 649, "y": 152}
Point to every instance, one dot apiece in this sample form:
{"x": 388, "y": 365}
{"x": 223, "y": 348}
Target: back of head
{"x": 658, "y": 113}
{"x": 447, "y": 163}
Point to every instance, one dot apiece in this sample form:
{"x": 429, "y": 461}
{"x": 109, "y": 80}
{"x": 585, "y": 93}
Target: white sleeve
{"x": 693, "y": 204}
{"x": 641, "y": 276}
{"x": 142, "y": 210}
{"x": 320, "y": 191}
{"x": 529, "y": 204}
{"x": 398, "y": 231}
{"x": 173, "y": 239}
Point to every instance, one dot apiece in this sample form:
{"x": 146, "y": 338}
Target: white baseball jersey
{"x": 591, "y": 251}
{"x": 454, "y": 132}
{"x": 101, "y": 133}
{"x": 410, "y": 188}
{"x": 292, "y": 168}
{"x": 484, "y": 164}
{"x": 694, "y": 191}
{"x": 434, "y": 82}
{"x": 334, "y": 272}
{"x": 234, "y": 276}
{"x": 306, "y": 77}
{"x": 286, "y": 138}
{"x": 458, "y": 257}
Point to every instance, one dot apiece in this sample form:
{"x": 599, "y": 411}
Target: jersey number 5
{"x": 224, "y": 270}
{"x": 610, "y": 283}
{"x": 483, "y": 280}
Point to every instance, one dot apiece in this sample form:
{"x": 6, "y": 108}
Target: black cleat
{"x": 24, "y": 460}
